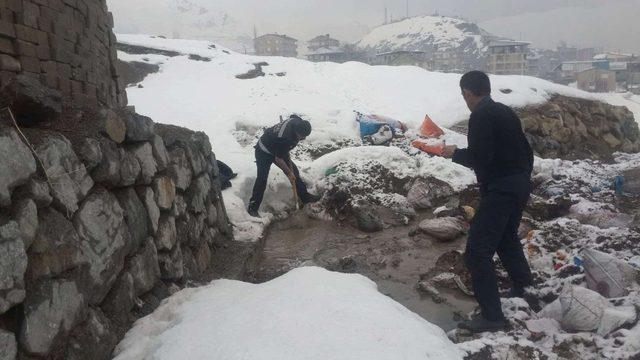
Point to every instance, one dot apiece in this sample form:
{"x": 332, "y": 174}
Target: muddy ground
{"x": 392, "y": 258}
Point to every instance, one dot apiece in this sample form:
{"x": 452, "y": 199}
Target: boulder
{"x": 139, "y": 127}
{"x": 30, "y": 101}
{"x": 90, "y": 153}
{"x": 104, "y": 239}
{"x": 144, "y": 268}
{"x": 191, "y": 269}
{"x": 171, "y": 264}
{"x": 144, "y": 154}
{"x": 203, "y": 256}
{"x": 8, "y": 345}
{"x": 166, "y": 236}
{"x": 113, "y": 126}
{"x": 108, "y": 171}
{"x": 52, "y": 309}
{"x": 165, "y": 192}
{"x": 160, "y": 153}
{"x": 93, "y": 339}
{"x": 197, "y": 194}
{"x": 367, "y": 219}
{"x": 25, "y": 213}
{"x": 179, "y": 208}
{"x": 129, "y": 168}
{"x": 149, "y": 200}
{"x": 120, "y": 299}
{"x": 547, "y": 209}
{"x": 190, "y": 228}
{"x": 179, "y": 169}
{"x": 444, "y": 229}
{"x": 212, "y": 214}
{"x": 37, "y": 190}
{"x": 425, "y": 192}
{"x": 67, "y": 175}
{"x": 13, "y": 264}
{"x": 16, "y": 164}
{"x": 56, "y": 248}
{"x": 135, "y": 215}
{"x": 631, "y": 182}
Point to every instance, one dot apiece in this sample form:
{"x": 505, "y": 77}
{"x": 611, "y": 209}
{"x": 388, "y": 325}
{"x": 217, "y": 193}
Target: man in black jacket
{"x": 502, "y": 159}
{"x": 274, "y": 147}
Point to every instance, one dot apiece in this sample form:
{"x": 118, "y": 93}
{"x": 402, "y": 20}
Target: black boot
{"x": 310, "y": 199}
{"x": 479, "y": 324}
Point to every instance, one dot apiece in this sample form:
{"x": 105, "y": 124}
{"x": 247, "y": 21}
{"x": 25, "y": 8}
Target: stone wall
{"x": 66, "y": 44}
{"x": 93, "y": 233}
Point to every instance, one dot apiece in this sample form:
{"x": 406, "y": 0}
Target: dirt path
{"x": 391, "y": 258}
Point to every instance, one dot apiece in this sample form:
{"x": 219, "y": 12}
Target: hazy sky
{"x": 585, "y": 22}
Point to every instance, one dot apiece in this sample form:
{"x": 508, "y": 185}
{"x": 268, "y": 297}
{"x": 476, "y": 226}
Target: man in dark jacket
{"x": 502, "y": 159}
{"x": 274, "y": 147}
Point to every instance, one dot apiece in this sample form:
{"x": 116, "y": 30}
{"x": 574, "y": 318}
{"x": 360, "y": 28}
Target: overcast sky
{"x": 610, "y": 23}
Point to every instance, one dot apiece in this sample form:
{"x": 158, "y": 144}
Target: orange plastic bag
{"x": 430, "y": 129}
{"x": 434, "y": 148}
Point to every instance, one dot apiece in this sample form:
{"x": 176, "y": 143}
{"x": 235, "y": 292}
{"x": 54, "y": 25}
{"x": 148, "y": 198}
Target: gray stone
{"x": 56, "y": 248}
{"x": 90, "y": 153}
{"x": 179, "y": 208}
{"x": 30, "y": 101}
{"x": 105, "y": 237}
{"x": 189, "y": 263}
{"x": 190, "y": 229}
{"x": 38, "y": 191}
{"x": 13, "y": 264}
{"x": 203, "y": 256}
{"x": 129, "y": 168}
{"x": 108, "y": 171}
{"x": 8, "y": 345}
{"x": 94, "y": 339}
{"x": 135, "y": 215}
{"x": 424, "y": 193}
{"x": 443, "y": 229}
{"x": 180, "y": 169}
{"x": 171, "y": 264}
{"x": 16, "y": 164}
{"x": 196, "y": 159}
{"x": 144, "y": 154}
{"x": 149, "y": 200}
{"x": 52, "y": 309}
{"x": 367, "y": 219}
{"x": 139, "y": 127}
{"x": 113, "y": 126}
{"x": 166, "y": 236}
{"x": 160, "y": 153}
{"x": 144, "y": 268}
{"x": 26, "y": 215}
{"x": 165, "y": 192}
{"x": 67, "y": 175}
{"x": 212, "y": 214}
{"x": 120, "y": 299}
{"x": 198, "y": 194}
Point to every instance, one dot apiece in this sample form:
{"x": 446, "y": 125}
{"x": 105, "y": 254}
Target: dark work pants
{"x": 495, "y": 229}
{"x": 263, "y": 163}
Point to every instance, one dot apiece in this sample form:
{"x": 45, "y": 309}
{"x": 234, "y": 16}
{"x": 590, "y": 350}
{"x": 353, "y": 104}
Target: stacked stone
{"x": 66, "y": 44}
{"x": 115, "y": 224}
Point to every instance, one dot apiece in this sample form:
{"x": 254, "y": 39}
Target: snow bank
{"x": 309, "y": 313}
{"x": 207, "y": 96}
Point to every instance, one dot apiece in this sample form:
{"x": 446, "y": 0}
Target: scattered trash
{"x": 430, "y": 146}
{"x": 429, "y": 128}
{"x": 425, "y": 192}
{"x": 371, "y": 124}
{"x": 382, "y": 137}
{"x": 606, "y": 274}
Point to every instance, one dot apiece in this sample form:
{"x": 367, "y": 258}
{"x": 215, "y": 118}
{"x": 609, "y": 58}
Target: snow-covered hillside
{"x": 309, "y": 313}
{"x": 207, "y": 96}
{"x": 427, "y": 33}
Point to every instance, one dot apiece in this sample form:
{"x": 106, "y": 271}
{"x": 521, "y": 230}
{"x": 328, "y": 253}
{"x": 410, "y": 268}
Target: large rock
{"x": 149, "y": 200}
{"x": 179, "y": 208}
{"x": 68, "y": 176}
{"x": 56, "y": 248}
{"x": 165, "y": 192}
{"x": 144, "y": 268}
{"x": 148, "y": 168}
{"x": 113, "y": 126}
{"x": 166, "y": 236}
{"x": 443, "y": 229}
{"x": 108, "y": 171}
{"x": 129, "y": 168}
{"x": 171, "y": 264}
{"x": 25, "y": 213}
{"x": 120, "y": 299}
{"x": 52, "y": 309}
{"x": 13, "y": 264}
{"x": 190, "y": 228}
{"x": 203, "y": 256}
{"x": 90, "y": 153}
{"x": 425, "y": 192}
{"x": 94, "y": 339}
{"x": 547, "y": 209}
{"x": 8, "y": 345}
{"x": 160, "y": 153}
{"x": 16, "y": 164}
{"x": 101, "y": 226}
{"x": 180, "y": 169}
{"x": 139, "y": 127}
{"x": 30, "y": 101}
{"x": 135, "y": 214}
{"x": 197, "y": 194}
{"x": 37, "y": 190}
{"x": 367, "y": 219}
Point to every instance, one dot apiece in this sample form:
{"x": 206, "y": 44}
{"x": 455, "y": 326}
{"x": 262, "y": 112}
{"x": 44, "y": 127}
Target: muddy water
{"x": 391, "y": 258}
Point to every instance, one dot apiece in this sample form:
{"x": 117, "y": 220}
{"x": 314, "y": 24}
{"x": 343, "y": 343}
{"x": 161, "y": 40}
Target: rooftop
{"x": 500, "y": 43}
{"x": 278, "y": 35}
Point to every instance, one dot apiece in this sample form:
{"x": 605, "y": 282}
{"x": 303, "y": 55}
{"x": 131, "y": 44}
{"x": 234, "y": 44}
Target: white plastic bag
{"x": 606, "y": 274}
{"x": 582, "y": 309}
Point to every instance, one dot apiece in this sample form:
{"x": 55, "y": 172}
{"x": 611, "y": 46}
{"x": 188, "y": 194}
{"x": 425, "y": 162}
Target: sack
{"x": 430, "y": 129}
{"x": 582, "y": 309}
{"x": 606, "y": 274}
{"x": 424, "y": 192}
{"x": 383, "y": 136}
{"x": 430, "y": 147}
{"x": 443, "y": 229}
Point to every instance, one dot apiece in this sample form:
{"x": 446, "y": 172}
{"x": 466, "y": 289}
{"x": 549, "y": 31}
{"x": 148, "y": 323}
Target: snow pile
{"x": 308, "y": 313}
{"x": 207, "y": 96}
{"x": 423, "y": 32}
